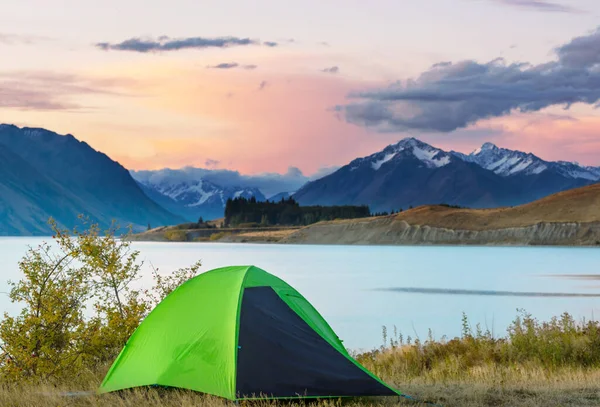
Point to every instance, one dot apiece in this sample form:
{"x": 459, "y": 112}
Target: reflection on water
{"x": 576, "y": 276}
{"x": 438, "y": 291}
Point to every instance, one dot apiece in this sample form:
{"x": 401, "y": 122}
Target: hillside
{"x": 567, "y": 218}
{"x": 580, "y": 205}
{"x": 45, "y": 174}
{"x": 28, "y": 198}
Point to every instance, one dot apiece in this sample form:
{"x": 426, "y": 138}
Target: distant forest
{"x": 242, "y": 212}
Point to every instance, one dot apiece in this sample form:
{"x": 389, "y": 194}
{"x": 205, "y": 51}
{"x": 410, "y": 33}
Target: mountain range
{"x": 412, "y": 173}
{"x": 44, "y": 174}
{"x": 192, "y": 198}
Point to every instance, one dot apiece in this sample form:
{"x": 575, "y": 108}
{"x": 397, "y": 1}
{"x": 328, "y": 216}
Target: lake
{"x": 359, "y": 289}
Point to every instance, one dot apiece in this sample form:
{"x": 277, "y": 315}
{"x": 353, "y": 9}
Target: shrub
{"x": 176, "y": 235}
{"x": 218, "y": 236}
{"x": 560, "y": 342}
{"x": 79, "y": 307}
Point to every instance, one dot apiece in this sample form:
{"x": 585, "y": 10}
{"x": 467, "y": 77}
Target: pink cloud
{"x": 290, "y": 122}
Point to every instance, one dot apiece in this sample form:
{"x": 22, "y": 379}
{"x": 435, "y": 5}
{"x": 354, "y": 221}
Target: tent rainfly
{"x": 240, "y": 333}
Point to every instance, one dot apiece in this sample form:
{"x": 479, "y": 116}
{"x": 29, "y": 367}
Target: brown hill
{"x": 570, "y": 218}
{"x": 580, "y": 205}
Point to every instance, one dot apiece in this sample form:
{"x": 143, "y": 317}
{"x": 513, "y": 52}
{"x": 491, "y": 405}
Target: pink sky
{"x": 166, "y": 109}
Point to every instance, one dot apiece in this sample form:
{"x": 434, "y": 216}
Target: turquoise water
{"x": 425, "y": 287}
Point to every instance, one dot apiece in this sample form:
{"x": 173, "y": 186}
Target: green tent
{"x": 240, "y": 333}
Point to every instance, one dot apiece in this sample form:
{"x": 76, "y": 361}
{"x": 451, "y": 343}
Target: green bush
{"x": 218, "y": 236}
{"x": 78, "y": 305}
{"x": 176, "y": 235}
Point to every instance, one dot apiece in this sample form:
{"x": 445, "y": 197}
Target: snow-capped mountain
{"x": 193, "y": 198}
{"x": 408, "y": 173}
{"x": 429, "y": 156}
{"x": 574, "y": 170}
{"x": 412, "y": 173}
{"x": 507, "y": 162}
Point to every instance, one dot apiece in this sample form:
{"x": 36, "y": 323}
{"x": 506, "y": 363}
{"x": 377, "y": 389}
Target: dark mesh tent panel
{"x": 280, "y": 355}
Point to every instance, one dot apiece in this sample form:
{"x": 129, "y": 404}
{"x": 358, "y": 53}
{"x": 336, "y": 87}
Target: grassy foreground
{"x": 520, "y": 386}
{"x": 554, "y": 363}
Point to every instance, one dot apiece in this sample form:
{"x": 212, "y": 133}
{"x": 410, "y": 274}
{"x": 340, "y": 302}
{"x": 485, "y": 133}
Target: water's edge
{"x": 393, "y": 232}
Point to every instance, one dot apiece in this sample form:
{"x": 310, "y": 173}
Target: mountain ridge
{"x": 195, "y": 198}
{"x": 507, "y": 162}
{"x": 86, "y": 181}
{"x": 418, "y": 173}
{"x": 61, "y": 168}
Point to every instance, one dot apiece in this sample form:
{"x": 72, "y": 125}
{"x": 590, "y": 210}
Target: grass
{"x": 176, "y": 235}
{"x": 553, "y": 363}
{"x": 579, "y": 205}
{"x": 218, "y": 236}
{"x": 266, "y": 235}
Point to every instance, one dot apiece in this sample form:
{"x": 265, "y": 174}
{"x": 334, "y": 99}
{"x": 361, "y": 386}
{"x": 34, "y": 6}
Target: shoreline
{"x": 388, "y": 231}
{"x": 569, "y": 218}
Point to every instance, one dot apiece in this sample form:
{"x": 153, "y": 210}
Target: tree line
{"x": 250, "y": 212}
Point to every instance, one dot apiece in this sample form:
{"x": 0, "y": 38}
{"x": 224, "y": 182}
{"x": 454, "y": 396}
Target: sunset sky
{"x": 262, "y": 86}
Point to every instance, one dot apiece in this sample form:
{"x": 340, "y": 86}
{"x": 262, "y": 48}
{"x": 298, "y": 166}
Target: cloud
{"x": 450, "y": 95}
{"x": 332, "y": 69}
{"x": 224, "y": 65}
{"x": 540, "y": 5}
{"x": 263, "y": 85}
{"x": 42, "y": 90}
{"x": 230, "y": 65}
{"x": 15, "y": 39}
{"x": 268, "y": 183}
{"x": 210, "y": 163}
{"x": 324, "y": 171}
{"x": 165, "y": 43}
{"x": 581, "y": 52}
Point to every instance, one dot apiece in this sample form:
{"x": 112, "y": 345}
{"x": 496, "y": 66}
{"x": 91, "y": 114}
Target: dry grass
{"x": 581, "y": 205}
{"x": 504, "y": 386}
{"x": 255, "y": 236}
{"x": 549, "y": 364}
{"x": 577, "y": 205}
{"x": 267, "y": 234}
{"x": 481, "y": 387}
{"x": 216, "y": 222}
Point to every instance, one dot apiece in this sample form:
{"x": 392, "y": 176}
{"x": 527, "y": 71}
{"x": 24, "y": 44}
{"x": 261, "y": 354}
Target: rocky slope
{"x": 390, "y": 231}
{"x": 567, "y": 218}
